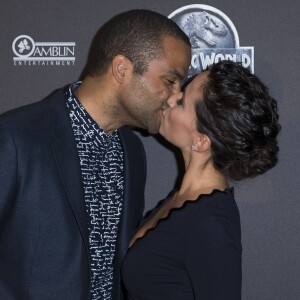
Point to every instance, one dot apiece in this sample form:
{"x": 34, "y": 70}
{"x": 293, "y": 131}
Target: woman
{"x": 225, "y": 123}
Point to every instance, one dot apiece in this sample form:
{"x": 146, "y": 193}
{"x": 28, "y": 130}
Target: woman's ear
{"x": 201, "y": 142}
{"x": 121, "y": 68}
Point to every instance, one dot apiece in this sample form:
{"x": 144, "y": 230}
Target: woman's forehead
{"x": 198, "y": 82}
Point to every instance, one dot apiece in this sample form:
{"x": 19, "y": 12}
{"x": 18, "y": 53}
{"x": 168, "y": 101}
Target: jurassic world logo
{"x": 213, "y": 37}
{"x": 30, "y": 53}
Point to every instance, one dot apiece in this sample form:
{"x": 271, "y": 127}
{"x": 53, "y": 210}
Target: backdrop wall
{"x": 269, "y": 205}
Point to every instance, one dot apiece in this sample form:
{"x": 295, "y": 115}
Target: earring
{"x": 194, "y": 147}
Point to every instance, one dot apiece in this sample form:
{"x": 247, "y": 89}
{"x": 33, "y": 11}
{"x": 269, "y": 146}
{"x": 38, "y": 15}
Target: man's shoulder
{"x": 33, "y": 112}
{"x": 34, "y": 117}
{"x": 26, "y": 110}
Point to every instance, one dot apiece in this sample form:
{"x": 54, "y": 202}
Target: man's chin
{"x": 146, "y": 129}
{"x": 157, "y": 127}
{"x": 153, "y": 131}
{"x": 153, "y": 125}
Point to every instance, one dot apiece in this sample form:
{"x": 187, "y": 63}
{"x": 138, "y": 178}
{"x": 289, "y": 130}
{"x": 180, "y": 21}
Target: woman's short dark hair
{"x": 240, "y": 117}
{"x": 136, "y": 34}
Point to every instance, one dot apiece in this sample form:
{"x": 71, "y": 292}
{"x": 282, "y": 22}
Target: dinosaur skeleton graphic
{"x": 197, "y": 25}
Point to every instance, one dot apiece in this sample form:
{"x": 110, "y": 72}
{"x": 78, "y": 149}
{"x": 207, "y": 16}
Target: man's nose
{"x": 176, "y": 88}
{"x": 172, "y": 101}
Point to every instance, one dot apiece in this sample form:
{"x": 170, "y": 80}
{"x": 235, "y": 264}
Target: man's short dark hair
{"x": 136, "y": 34}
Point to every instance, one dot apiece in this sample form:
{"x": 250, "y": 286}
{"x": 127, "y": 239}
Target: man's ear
{"x": 201, "y": 142}
{"x": 121, "y": 68}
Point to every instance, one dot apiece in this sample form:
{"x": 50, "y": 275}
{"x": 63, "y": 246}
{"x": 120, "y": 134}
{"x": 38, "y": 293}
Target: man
{"x": 72, "y": 174}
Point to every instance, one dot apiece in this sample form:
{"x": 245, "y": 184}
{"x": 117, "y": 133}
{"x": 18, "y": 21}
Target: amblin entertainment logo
{"x": 213, "y": 37}
{"x": 31, "y": 53}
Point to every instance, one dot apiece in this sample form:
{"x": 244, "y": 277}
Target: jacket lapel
{"x": 135, "y": 176}
{"x": 133, "y": 205}
{"x": 67, "y": 161}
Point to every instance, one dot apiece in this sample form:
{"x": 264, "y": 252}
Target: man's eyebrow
{"x": 177, "y": 74}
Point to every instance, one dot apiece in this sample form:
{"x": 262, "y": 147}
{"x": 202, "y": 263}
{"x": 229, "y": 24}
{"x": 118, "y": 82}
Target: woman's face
{"x": 179, "y": 119}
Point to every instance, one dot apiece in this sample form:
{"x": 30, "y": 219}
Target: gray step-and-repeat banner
{"x": 44, "y": 45}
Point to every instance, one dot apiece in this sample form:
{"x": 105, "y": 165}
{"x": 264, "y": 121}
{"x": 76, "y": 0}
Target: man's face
{"x": 146, "y": 95}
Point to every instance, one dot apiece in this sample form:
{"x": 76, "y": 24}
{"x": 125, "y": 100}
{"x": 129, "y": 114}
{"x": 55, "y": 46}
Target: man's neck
{"x": 98, "y": 98}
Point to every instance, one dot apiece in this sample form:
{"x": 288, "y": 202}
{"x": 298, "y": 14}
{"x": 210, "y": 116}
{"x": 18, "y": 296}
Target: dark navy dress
{"x": 194, "y": 253}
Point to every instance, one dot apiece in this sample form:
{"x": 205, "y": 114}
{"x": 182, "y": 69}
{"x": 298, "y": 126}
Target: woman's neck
{"x": 201, "y": 177}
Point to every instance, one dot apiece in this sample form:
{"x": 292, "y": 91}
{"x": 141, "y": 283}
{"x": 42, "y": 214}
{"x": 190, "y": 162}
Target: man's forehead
{"x": 167, "y": 67}
{"x": 178, "y": 56}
